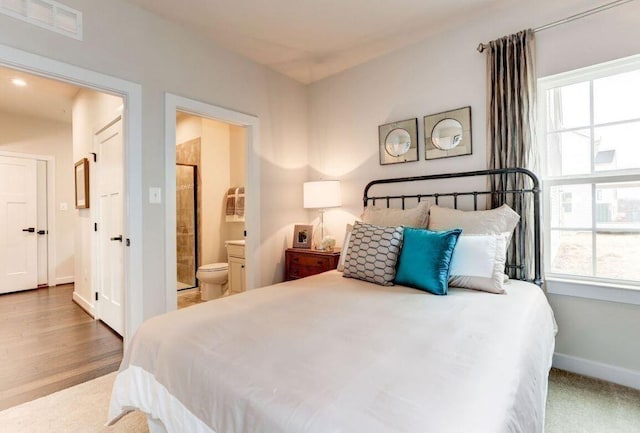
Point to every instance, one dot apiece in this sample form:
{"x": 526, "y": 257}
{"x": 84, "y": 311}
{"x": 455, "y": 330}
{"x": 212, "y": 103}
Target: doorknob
{"x": 30, "y": 230}
{"x": 117, "y": 238}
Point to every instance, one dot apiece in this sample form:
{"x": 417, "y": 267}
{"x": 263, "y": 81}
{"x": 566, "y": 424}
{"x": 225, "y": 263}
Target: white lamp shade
{"x": 322, "y": 194}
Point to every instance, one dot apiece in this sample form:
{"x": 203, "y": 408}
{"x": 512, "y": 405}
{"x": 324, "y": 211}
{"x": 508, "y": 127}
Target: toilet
{"x": 213, "y": 280}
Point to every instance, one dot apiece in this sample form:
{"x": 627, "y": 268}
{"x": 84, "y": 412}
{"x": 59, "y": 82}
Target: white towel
{"x": 234, "y": 211}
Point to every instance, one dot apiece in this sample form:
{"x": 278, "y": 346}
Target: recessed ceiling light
{"x": 19, "y": 82}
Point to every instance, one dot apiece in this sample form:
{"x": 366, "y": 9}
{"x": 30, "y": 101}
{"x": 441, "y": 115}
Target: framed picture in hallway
{"x": 302, "y": 236}
{"x": 82, "y": 184}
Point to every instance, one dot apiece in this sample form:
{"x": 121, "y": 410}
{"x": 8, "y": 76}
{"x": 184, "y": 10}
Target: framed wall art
{"x": 302, "y": 236}
{"x": 448, "y": 134}
{"x": 398, "y": 141}
{"x": 82, "y": 183}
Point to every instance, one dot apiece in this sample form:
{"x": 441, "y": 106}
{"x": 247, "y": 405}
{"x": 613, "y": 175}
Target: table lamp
{"x": 321, "y": 194}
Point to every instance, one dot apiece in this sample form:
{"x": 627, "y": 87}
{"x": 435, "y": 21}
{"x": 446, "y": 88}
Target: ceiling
{"x": 311, "y": 39}
{"x": 41, "y": 97}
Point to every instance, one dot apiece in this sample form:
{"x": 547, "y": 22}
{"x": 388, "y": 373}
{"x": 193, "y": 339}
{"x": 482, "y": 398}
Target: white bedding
{"x": 332, "y": 354}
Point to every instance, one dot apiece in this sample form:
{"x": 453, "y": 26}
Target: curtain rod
{"x": 604, "y": 7}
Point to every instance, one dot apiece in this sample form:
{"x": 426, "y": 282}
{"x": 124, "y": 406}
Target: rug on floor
{"x": 79, "y": 409}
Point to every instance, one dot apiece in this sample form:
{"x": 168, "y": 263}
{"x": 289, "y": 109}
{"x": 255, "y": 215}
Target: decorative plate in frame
{"x": 448, "y": 134}
{"x": 398, "y": 141}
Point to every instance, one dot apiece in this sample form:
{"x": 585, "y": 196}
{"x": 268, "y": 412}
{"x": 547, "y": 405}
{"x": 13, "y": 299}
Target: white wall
{"x": 215, "y": 164}
{"x": 45, "y": 137}
{"x": 91, "y": 111}
{"x": 125, "y": 41}
{"x": 446, "y": 72}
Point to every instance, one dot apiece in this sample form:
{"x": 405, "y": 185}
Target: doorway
{"x": 210, "y": 213}
{"x": 52, "y": 217}
{"x": 131, "y": 93}
{"x": 175, "y": 106}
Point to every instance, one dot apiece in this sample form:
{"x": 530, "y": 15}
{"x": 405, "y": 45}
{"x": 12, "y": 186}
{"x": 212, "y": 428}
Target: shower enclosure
{"x": 186, "y": 225}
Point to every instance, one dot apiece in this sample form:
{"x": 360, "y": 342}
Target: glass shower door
{"x": 186, "y": 226}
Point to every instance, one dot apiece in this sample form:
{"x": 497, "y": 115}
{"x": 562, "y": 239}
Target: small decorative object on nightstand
{"x": 300, "y": 263}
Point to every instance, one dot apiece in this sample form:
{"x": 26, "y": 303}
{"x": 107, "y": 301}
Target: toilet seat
{"x": 214, "y": 267}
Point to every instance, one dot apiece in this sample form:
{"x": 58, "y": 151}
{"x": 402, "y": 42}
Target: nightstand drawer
{"x": 304, "y": 271}
{"x": 301, "y": 263}
{"x": 310, "y": 261}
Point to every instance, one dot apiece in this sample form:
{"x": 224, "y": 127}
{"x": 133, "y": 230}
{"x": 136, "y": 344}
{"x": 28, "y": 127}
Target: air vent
{"x": 47, "y": 14}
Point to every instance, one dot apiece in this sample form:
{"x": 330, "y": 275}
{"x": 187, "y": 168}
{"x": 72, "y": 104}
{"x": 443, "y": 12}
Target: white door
{"x": 109, "y": 217}
{"x": 18, "y": 217}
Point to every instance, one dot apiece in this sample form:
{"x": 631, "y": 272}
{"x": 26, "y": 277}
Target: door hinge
{"x": 95, "y": 156}
{"x": 96, "y": 296}
{"x": 245, "y": 233}
{"x": 95, "y": 227}
{"x": 128, "y": 242}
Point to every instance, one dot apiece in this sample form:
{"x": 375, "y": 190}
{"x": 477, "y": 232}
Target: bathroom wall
{"x": 215, "y": 181}
{"x": 237, "y": 156}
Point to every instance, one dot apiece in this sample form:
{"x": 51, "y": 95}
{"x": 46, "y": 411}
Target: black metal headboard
{"x": 531, "y": 193}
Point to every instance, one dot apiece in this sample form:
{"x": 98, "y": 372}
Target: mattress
{"x": 332, "y": 354}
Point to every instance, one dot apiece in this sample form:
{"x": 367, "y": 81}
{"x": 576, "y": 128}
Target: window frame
{"x": 565, "y": 283}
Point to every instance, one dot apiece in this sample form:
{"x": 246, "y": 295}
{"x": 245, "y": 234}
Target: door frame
{"x": 132, "y": 135}
{"x": 250, "y": 123}
{"x": 51, "y": 208}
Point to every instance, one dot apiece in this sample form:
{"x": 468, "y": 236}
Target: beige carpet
{"x": 79, "y": 409}
{"x": 576, "y": 404}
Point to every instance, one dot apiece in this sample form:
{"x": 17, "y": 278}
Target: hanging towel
{"x": 235, "y": 204}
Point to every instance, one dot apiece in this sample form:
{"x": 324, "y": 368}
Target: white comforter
{"x": 330, "y": 354}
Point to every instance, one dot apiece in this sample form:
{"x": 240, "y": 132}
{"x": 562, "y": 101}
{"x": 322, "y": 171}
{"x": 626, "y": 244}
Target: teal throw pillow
{"x": 425, "y": 259}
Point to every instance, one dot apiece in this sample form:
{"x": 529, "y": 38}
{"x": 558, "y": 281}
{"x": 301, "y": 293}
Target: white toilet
{"x": 213, "y": 279}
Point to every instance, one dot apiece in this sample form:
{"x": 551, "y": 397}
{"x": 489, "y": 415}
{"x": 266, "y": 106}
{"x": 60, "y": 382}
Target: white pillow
{"x": 393, "y": 217}
{"x": 474, "y": 256}
{"x": 482, "y": 222}
{"x": 478, "y": 263}
{"x": 345, "y": 247}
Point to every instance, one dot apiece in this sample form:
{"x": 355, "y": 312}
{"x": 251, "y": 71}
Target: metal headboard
{"x": 520, "y": 195}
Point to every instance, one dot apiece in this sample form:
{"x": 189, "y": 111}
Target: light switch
{"x": 155, "y": 195}
{"x": 63, "y": 206}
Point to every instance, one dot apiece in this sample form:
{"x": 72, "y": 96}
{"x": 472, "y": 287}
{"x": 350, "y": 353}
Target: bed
{"x": 334, "y": 354}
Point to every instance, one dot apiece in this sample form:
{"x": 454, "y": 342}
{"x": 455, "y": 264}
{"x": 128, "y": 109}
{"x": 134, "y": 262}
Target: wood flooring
{"x": 48, "y": 343}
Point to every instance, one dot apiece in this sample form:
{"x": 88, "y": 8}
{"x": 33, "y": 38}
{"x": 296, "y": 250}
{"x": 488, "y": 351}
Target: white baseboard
{"x": 65, "y": 280}
{"x": 610, "y": 373}
{"x": 84, "y": 304}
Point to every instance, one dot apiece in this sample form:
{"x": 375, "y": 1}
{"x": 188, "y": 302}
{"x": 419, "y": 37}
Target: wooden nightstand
{"x": 300, "y": 263}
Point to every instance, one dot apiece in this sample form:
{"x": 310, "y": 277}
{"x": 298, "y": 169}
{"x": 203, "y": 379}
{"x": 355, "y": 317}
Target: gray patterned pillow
{"x": 373, "y": 253}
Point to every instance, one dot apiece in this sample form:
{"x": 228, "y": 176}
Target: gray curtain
{"x": 511, "y": 110}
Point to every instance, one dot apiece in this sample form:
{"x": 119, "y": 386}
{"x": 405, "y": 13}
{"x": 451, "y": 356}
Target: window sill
{"x": 593, "y": 290}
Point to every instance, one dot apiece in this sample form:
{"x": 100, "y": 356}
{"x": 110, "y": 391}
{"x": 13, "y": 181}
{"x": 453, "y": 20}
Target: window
{"x": 589, "y": 134}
